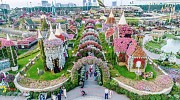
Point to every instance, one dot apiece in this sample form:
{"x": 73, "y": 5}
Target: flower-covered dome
{"x": 52, "y": 41}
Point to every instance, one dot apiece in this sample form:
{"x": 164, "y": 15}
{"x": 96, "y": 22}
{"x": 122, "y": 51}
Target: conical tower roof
{"x": 111, "y": 14}
{"x": 51, "y": 36}
{"x": 59, "y": 30}
{"x": 122, "y": 20}
{"x": 8, "y": 38}
{"x": 39, "y": 34}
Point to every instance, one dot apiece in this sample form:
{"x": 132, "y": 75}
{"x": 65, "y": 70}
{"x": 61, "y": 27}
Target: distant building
{"x": 84, "y": 2}
{"x": 65, "y": 5}
{"x": 45, "y": 3}
{"x": 5, "y": 6}
{"x": 114, "y": 3}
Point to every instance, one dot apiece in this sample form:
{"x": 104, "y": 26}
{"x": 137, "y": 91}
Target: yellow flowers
{"x": 1, "y": 87}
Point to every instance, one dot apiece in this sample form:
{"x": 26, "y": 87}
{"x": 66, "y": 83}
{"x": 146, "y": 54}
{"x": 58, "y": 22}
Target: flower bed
{"x": 38, "y": 84}
{"x": 173, "y": 72}
{"x": 156, "y": 85}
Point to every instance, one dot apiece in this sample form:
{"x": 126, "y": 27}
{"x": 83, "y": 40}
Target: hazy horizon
{"x": 26, "y": 3}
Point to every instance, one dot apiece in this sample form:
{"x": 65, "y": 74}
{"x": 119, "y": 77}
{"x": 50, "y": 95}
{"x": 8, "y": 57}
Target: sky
{"x": 23, "y": 3}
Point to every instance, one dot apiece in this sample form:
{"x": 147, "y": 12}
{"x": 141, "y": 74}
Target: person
{"x": 59, "y": 96}
{"x": 91, "y": 70}
{"x": 83, "y": 93}
{"x": 106, "y": 93}
{"x": 87, "y": 73}
{"x": 42, "y": 97}
{"x": 110, "y": 94}
{"x": 54, "y": 97}
{"x": 95, "y": 75}
{"x": 65, "y": 94}
{"x": 61, "y": 91}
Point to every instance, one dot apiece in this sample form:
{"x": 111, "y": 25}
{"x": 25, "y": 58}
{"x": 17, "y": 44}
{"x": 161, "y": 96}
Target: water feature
{"x": 171, "y": 46}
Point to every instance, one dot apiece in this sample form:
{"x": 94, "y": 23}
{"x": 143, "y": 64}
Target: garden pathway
{"x": 12, "y": 98}
{"x": 94, "y": 92}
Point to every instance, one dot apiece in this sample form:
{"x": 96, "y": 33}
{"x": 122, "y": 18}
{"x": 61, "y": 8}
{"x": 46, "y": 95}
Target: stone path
{"x": 94, "y": 92}
{"x": 12, "y": 98}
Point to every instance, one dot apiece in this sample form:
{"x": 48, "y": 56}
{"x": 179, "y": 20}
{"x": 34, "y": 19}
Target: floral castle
{"x": 126, "y": 48}
{"x": 54, "y": 50}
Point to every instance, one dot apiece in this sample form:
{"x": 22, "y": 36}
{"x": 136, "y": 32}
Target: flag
{"x": 101, "y": 3}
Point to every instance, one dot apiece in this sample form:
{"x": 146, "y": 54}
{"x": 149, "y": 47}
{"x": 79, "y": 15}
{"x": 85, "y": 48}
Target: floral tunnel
{"x": 90, "y": 44}
{"x": 89, "y": 60}
{"x": 89, "y": 33}
{"x": 89, "y": 38}
{"x": 90, "y": 51}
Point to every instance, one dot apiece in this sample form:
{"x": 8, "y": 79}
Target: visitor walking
{"x": 87, "y": 73}
{"x": 110, "y": 94}
{"x": 59, "y": 96}
{"x": 91, "y": 70}
{"x": 65, "y": 94}
{"x": 106, "y": 93}
{"x": 61, "y": 91}
{"x": 95, "y": 75}
{"x": 53, "y": 97}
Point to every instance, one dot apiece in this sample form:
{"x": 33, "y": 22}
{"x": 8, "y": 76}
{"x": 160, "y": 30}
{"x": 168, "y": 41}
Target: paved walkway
{"x": 12, "y": 98}
{"x": 94, "y": 92}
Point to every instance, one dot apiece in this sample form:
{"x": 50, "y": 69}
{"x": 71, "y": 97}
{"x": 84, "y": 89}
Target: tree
{"x": 43, "y": 57}
{"x": 44, "y": 25}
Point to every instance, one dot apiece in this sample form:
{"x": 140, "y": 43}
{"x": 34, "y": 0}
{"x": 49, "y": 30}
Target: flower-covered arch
{"x": 91, "y": 60}
{"x": 89, "y": 38}
{"x": 89, "y": 43}
{"x": 89, "y": 33}
{"x": 97, "y": 53}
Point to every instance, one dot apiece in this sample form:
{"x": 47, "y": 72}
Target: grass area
{"x": 21, "y": 51}
{"x": 109, "y": 52}
{"x": 22, "y": 62}
{"x": 123, "y": 71}
{"x": 156, "y": 45}
{"x": 149, "y": 68}
{"x": 170, "y": 36}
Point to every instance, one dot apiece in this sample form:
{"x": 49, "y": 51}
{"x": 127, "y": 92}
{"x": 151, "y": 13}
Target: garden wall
{"x": 24, "y": 89}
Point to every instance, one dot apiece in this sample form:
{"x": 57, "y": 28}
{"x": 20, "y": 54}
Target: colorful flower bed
{"x": 173, "y": 72}
{"x": 38, "y": 84}
{"x": 161, "y": 82}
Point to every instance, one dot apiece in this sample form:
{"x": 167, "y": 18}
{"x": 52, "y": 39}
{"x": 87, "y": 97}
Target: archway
{"x": 95, "y": 52}
{"x": 90, "y": 60}
{"x": 88, "y": 43}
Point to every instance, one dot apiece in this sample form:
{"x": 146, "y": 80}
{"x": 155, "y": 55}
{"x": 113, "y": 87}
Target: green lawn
{"x": 123, "y": 71}
{"x": 170, "y": 36}
{"x": 21, "y": 51}
{"x": 149, "y": 68}
{"x": 155, "y": 45}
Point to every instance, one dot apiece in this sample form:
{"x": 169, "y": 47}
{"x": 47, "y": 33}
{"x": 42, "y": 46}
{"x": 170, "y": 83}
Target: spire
{"x": 122, "y": 20}
{"x": 51, "y": 36}
{"x": 7, "y": 37}
{"x": 58, "y": 29}
{"x": 39, "y": 34}
{"x": 111, "y": 14}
